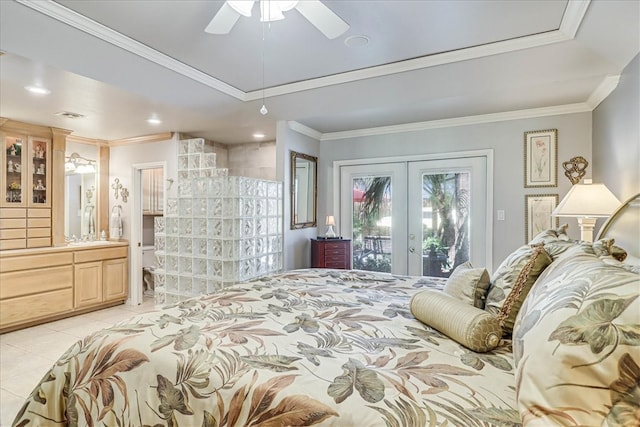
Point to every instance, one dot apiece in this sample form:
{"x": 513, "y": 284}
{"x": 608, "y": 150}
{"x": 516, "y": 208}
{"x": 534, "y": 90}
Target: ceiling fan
{"x": 323, "y": 18}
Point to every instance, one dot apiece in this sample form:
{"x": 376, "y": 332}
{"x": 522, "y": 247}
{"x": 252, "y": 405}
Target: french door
{"x": 417, "y": 217}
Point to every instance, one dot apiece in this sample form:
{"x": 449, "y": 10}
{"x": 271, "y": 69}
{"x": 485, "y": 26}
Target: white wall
{"x": 121, "y": 160}
{"x": 616, "y": 136}
{"x": 505, "y": 138}
{"x": 297, "y": 243}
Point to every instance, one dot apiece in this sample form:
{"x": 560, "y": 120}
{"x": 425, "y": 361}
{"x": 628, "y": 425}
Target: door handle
{"x": 412, "y": 249}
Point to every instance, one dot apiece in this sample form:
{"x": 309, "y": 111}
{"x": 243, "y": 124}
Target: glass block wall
{"x": 220, "y": 230}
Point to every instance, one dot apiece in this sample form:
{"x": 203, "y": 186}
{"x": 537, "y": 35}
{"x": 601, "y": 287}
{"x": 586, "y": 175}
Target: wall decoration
{"x": 116, "y": 187}
{"x": 541, "y": 158}
{"x": 575, "y": 169}
{"x": 124, "y": 193}
{"x": 538, "y": 208}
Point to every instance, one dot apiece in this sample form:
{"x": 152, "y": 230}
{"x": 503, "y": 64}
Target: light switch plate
{"x": 500, "y": 215}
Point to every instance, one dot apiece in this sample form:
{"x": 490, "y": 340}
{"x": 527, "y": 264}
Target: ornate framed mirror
{"x": 304, "y": 189}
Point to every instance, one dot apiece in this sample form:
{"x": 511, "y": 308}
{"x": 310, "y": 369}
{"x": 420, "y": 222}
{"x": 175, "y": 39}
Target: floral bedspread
{"x": 307, "y": 347}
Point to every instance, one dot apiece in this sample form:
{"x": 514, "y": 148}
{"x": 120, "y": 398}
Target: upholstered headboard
{"x": 624, "y": 227}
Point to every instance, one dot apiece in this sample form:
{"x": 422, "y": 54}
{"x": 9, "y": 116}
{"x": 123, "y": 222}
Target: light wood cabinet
{"x": 101, "y": 275}
{"x": 25, "y": 191}
{"x": 115, "y": 279}
{"x": 87, "y": 288}
{"x": 40, "y": 285}
{"x": 152, "y": 191}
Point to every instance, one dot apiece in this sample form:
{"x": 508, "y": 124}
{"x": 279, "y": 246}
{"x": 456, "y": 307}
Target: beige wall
{"x": 255, "y": 160}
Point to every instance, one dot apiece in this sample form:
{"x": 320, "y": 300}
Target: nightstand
{"x": 331, "y": 253}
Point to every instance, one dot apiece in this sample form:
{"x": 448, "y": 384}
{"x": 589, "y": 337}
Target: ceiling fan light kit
{"x": 323, "y": 18}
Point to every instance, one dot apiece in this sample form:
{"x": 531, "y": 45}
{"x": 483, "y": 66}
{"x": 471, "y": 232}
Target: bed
{"x": 344, "y": 348}
{"x": 302, "y": 348}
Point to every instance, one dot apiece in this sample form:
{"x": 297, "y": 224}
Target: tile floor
{"x": 26, "y": 355}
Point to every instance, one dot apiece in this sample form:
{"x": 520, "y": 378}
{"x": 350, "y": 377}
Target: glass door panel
{"x": 373, "y": 214}
{"x": 447, "y": 213}
{"x": 40, "y": 175}
{"x": 14, "y": 171}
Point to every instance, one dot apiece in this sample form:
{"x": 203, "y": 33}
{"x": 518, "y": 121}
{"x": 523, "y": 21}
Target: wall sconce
{"x": 75, "y": 163}
{"x": 586, "y": 202}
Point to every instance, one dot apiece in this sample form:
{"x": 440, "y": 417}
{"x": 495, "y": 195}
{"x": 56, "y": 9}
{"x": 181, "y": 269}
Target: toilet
{"x": 148, "y": 262}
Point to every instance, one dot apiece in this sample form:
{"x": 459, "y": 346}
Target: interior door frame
{"x": 135, "y": 267}
{"x": 487, "y": 153}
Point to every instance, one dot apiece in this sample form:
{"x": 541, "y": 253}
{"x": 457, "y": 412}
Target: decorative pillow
{"x": 576, "y": 345}
{"x": 521, "y": 268}
{"x": 551, "y": 235}
{"x": 467, "y": 325}
{"x": 468, "y": 284}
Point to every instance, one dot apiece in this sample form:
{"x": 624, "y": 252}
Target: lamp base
{"x": 586, "y": 228}
{"x": 330, "y": 233}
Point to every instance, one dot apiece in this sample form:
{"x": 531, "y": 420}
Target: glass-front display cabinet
{"x": 26, "y": 172}
{"x": 14, "y": 171}
{"x": 40, "y": 173}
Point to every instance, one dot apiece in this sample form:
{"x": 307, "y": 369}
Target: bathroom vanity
{"x": 45, "y": 284}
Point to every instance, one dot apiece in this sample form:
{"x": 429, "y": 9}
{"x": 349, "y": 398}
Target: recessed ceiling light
{"x": 154, "y": 121}
{"x": 359, "y": 40}
{"x": 38, "y": 90}
{"x": 258, "y": 135}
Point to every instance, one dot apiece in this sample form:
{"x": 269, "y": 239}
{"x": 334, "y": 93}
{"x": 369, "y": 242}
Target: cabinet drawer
{"x": 100, "y": 254}
{"x": 13, "y": 213}
{"x": 13, "y": 223}
{"x": 27, "y": 262}
{"x": 39, "y": 213}
{"x": 39, "y": 232}
{"x": 38, "y": 222}
{"x": 334, "y": 246}
{"x": 13, "y": 233}
{"x": 18, "y": 283}
{"x": 335, "y": 252}
{"x": 12, "y": 244}
{"x": 39, "y": 242}
{"x": 25, "y": 308}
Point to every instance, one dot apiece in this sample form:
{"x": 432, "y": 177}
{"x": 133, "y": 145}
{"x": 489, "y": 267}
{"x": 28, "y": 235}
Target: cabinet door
{"x": 14, "y": 171}
{"x": 87, "y": 285}
{"x": 39, "y": 172}
{"x": 158, "y": 190}
{"x": 147, "y": 191}
{"x": 115, "y": 281}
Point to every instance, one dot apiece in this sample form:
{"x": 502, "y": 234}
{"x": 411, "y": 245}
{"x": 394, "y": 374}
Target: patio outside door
{"x": 416, "y": 217}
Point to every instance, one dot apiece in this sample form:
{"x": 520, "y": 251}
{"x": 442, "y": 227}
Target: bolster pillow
{"x": 472, "y": 327}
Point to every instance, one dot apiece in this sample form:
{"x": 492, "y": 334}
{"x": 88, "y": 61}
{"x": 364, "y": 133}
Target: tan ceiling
{"x": 118, "y": 63}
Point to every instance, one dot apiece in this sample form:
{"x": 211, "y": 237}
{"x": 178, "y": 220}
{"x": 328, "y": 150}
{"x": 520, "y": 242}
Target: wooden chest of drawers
{"x": 332, "y": 253}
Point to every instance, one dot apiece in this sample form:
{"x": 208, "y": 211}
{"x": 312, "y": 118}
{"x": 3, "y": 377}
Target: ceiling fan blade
{"x": 223, "y": 21}
{"x": 323, "y": 18}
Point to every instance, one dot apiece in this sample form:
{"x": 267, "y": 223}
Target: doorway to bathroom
{"x": 148, "y": 204}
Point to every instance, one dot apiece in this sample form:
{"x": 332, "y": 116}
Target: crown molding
{"x": 89, "y": 26}
{"x": 603, "y": 90}
{"x": 573, "y": 16}
{"x": 157, "y": 137}
{"x": 304, "y": 130}
{"x": 569, "y": 25}
{"x": 459, "y": 55}
{"x": 84, "y": 140}
{"x": 460, "y": 121}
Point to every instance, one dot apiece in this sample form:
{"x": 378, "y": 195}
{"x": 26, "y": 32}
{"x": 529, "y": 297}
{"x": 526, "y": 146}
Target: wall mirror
{"x": 81, "y": 190}
{"x": 304, "y": 173}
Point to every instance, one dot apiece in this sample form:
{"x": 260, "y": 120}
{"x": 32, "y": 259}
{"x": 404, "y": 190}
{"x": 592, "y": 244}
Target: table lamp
{"x": 586, "y": 202}
{"x": 330, "y": 222}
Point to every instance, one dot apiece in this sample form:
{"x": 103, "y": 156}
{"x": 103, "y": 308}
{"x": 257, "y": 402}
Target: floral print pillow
{"x": 576, "y": 343}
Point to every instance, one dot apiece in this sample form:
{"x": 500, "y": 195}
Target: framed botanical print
{"x": 538, "y": 208}
{"x": 541, "y": 158}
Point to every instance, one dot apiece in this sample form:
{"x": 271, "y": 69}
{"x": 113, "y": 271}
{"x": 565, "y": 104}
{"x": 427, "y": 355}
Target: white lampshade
{"x": 587, "y": 201}
{"x": 330, "y": 220}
